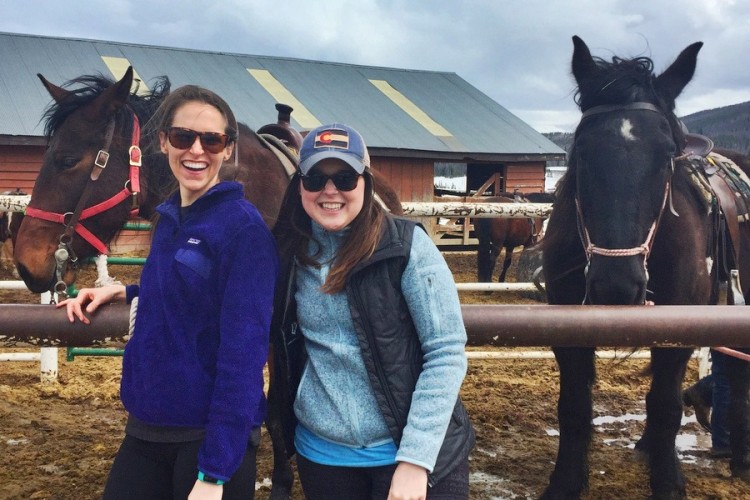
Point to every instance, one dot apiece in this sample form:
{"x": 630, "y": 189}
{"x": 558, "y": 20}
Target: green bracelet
{"x": 209, "y": 479}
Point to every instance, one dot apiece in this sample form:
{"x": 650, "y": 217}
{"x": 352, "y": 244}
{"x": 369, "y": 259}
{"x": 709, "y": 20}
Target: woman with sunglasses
{"x": 192, "y": 379}
{"x": 368, "y": 338}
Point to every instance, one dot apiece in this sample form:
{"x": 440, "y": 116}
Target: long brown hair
{"x": 293, "y": 232}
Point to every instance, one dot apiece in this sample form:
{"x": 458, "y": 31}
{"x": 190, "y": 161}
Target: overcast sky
{"x": 515, "y": 51}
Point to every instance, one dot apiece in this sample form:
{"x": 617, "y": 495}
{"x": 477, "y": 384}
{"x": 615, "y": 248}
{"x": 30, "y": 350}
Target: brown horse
{"x": 9, "y": 223}
{"x": 77, "y": 207}
{"x": 634, "y": 223}
{"x": 497, "y": 233}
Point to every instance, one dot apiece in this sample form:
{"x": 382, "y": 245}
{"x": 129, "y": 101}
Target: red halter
{"x": 132, "y": 188}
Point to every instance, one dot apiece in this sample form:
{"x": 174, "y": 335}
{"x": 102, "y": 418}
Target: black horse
{"x": 634, "y": 224}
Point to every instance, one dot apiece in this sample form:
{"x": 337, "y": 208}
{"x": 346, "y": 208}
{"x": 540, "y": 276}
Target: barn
{"x": 416, "y": 123}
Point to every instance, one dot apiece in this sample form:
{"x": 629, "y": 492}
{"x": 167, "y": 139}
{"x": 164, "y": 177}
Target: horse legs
{"x": 739, "y": 417}
{"x": 486, "y": 252}
{"x": 506, "y": 263}
{"x": 663, "y": 418}
{"x": 282, "y": 478}
{"x": 574, "y": 413}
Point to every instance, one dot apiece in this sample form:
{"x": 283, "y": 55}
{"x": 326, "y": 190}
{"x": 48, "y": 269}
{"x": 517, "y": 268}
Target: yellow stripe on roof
{"x": 274, "y": 87}
{"x": 118, "y": 66}
{"x": 411, "y": 109}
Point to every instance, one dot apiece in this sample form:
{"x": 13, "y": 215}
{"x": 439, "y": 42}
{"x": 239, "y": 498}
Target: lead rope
{"x": 131, "y": 317}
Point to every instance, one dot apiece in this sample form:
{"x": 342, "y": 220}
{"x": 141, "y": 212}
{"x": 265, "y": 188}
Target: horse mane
{"x": 617, "y": 82}
{"x": 564, "y": 206}
{"x": 89, "y": 87}
{"x": 624, "y": 81}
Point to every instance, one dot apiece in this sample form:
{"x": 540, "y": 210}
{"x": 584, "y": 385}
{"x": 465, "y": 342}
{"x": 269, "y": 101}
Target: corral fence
{"x": 494, "y": 325}
{"x": 499, "y": 325}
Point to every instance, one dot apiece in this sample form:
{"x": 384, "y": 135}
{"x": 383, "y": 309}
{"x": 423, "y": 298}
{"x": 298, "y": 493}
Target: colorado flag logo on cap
{"x": 332, "y": 139}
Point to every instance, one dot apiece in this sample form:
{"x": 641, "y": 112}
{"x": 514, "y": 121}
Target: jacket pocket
{"x": 196, "y": 261}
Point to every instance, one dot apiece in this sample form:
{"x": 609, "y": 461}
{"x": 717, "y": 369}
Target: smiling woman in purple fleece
{"x": 368, "y": 338}
{"x": 192, "y": 379}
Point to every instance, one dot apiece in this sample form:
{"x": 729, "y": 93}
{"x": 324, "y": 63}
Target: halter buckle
{"x": 102, "y": 157}
{"x": 135, "y": 155}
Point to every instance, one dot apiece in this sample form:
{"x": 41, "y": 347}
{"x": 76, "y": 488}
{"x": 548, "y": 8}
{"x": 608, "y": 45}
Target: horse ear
{"x": 113, "y": 98}
{"x": 583, "y": 63}
{"x": 58, "y": 93}
{"x": 671, "y": 82}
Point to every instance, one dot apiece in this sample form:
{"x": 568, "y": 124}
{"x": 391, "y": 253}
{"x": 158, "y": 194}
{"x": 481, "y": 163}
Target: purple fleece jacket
{"x": 201, "y": 332}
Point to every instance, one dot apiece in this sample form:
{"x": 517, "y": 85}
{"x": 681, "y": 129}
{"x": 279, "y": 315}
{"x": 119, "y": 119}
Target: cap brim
{"x": 348, "y": 158}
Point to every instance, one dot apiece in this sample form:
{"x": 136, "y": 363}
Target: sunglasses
{"x": 184, "y": 138}
{"x": 344, "y": 181}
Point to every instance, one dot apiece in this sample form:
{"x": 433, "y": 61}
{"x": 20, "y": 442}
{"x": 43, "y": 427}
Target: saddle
{"x": 728, "y": 185}
{"x": 698, "y": 145}
{"x": 286, "y": 155}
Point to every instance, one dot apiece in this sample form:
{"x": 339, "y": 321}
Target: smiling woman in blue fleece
{"x": 368, "y": 338}
{"x": 192, "y": 378}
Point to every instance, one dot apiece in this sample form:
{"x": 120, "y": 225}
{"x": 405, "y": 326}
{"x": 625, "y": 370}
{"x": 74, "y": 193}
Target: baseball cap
{"x": 334, "y": 141}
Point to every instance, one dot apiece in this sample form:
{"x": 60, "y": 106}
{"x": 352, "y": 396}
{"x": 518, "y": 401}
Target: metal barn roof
{"x": 416, "y": 113}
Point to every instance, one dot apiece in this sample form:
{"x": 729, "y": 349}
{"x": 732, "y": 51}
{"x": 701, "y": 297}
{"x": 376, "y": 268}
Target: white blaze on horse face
{"x": 626, "y": 129}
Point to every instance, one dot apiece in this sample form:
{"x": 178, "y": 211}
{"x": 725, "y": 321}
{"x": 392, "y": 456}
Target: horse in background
{"x": 102, "y": 115}
{"x": 633, "y": 224}
{"x": 498, "y": 233}
{"x": 9, "y": 222}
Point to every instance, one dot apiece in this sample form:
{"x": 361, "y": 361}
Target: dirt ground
{"x": 57, "y": 441}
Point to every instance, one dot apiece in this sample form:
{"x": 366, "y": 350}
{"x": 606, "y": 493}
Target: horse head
{"x": 621, "y": 165}
{"x": 85, "y": 189}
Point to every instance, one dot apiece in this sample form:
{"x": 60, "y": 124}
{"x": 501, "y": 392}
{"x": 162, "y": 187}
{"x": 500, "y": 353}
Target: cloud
{"x": 516, "y": 52}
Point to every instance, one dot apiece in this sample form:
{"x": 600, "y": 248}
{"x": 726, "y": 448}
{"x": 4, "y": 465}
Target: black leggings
{"x": 322, "y": 482}
{"x": 146, "y": 470}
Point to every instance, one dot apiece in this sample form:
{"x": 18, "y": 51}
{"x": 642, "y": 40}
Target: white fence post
{"x": 48, "y": 355}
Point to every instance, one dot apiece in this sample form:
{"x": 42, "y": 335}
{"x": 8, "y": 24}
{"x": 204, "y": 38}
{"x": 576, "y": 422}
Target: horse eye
{"x": 67, "y": 162}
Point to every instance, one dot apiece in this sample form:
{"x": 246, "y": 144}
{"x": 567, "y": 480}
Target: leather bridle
{"x": 644, "y": 248}
{"x": 72, "y": 220}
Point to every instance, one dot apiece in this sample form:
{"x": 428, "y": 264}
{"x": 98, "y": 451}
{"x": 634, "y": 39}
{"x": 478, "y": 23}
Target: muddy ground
{"x": 57, "y": 441}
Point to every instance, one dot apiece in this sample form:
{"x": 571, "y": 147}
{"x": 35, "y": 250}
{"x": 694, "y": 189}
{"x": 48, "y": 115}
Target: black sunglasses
{"x": 184, "y": 138}
{"x": 344, "y": 181}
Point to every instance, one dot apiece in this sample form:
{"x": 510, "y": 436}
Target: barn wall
{"x": 19, "y": 167}
{"x": 412, "y": 179}
{"x": 526, "y": 177}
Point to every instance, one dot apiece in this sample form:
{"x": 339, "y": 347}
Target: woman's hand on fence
{"x": 92, "y": 298}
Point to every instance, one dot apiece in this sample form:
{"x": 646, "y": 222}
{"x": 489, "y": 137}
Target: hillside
{"x": 728, "y": 127}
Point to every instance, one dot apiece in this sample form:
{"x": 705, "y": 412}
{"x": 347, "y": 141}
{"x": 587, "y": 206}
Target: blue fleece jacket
{"x": 335, "y": 400}
{"x": 201, "y": 333}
